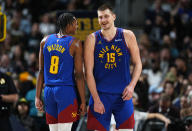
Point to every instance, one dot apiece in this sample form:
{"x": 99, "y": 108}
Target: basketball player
{"x": 107, "y": 54}
{"x": 60, "y": 65}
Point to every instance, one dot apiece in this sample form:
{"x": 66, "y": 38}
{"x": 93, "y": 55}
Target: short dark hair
{"x": 104, "y": 7}
{"x": 169, "y": 82}
{"x": 65, "y": 19}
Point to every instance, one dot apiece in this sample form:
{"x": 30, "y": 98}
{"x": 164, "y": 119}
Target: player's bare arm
{"x": 89, "y": 65}
{"x": 40, "y": 78}
{"x": 76, "y": 50}
{"x": 131, "y": 42}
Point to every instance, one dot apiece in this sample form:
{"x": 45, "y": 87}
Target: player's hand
{"x": 99, "y": 107}
{"x": 39, "y": 104}
{"x": 83, "y": 109}
{"x": 128, "y": 93}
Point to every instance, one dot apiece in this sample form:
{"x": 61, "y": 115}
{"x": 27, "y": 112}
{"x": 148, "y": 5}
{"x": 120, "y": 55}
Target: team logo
{"x": 2, "y": 81}
{"x": 118, "y": 40}
{"x": 74, "y": 114}
{"x": 110, "y": 56}
{"x": 99, "y": 42}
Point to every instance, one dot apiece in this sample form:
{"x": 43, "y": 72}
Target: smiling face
{"x": 106, "y": 19}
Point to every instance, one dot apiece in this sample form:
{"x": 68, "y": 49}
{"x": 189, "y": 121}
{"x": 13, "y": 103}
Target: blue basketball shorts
{"x": 60, "y": 104}
{"x": 122, "y": 110}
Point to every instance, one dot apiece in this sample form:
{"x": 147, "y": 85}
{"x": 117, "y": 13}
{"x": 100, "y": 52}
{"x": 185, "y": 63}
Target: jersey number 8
{"x": 54, "y": 65}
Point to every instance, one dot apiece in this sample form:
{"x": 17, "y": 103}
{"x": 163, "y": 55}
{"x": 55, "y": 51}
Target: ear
{"x": 114, "y": 16}
{"x": 67, "y": 27}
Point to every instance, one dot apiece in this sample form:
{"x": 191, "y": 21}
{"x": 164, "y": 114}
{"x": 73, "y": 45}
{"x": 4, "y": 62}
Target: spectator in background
{"x": 154, "y": 94}
{"x": 183, "y": 102}
{"x": 154, "y": 74}
{"x": 141, "y": 89}
{"x": 34, "y": 38}
{"x": 140, "y": 117}
{"x": 30, "y": 97}
{"x": 165, "y": 60}
{"x": 168, "y": 43}
{"x": 181, "y": 66}
{"x": 6, "y": 46}
{"x": 46, "y": 27}
{"x": 189, "y": 60}
{"x": 8, "y": 96}
{"x": 171, "y": 75}
{"x": 165, "y": 107}
{"x": 169, "y": 89}
{"x": 190, "y": 78}
{"x": 5, "y": 66}
{"x": 18, "y": 26}
{"x": 18, "y": 62}
{"x": 39, "y": 117}
{"x": 22, "y": 112}
{"x": 154, "y": 16}
{"x": 32, "y": 63}
{"x": 183, "y": 10}
{"x": 158, "y": 29}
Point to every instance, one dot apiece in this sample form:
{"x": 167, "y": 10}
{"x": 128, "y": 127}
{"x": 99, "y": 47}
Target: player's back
{"x": 58, "y": 62}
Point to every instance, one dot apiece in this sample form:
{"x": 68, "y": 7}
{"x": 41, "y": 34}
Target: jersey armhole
{"x": 71, "y": 41}
{"x": 123, "y": 37}
{"x": 69, "y": 45}
{"x": 47, "y": 38}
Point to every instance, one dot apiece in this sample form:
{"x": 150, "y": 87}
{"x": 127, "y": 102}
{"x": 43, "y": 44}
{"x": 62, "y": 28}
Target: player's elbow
{"x": 88, "y": 74}
{"x": 138, "y": 65}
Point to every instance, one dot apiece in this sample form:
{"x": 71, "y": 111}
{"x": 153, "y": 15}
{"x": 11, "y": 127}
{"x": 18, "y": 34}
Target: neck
{"x": 61, "y": 33}
{"x": 110, "y": 33}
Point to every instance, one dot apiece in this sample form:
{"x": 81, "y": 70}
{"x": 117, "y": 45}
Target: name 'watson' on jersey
{"x": 58, "y": 63}
{"x": 112, "y": 59}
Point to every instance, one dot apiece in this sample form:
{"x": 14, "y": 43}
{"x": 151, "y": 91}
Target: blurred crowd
{"x": 165, "y": 43}
{"x": 165, "y": 85}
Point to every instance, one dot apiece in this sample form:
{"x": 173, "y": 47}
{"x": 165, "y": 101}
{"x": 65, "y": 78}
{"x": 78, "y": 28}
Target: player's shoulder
{"x": 90, "y": 37}
{"x": 127, "y": 32}
{"x": 43, "y": 41}
{"x": 76, "y": 40}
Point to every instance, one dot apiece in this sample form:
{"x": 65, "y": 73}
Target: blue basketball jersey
{"x": 111, "y": 63}
{"x": 58, "y": 63}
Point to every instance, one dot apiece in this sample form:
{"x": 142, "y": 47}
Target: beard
{"x": 106, "y": 26}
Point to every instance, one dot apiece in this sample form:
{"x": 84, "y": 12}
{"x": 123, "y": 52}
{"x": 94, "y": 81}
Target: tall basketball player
{"x": 107, "y": 58}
